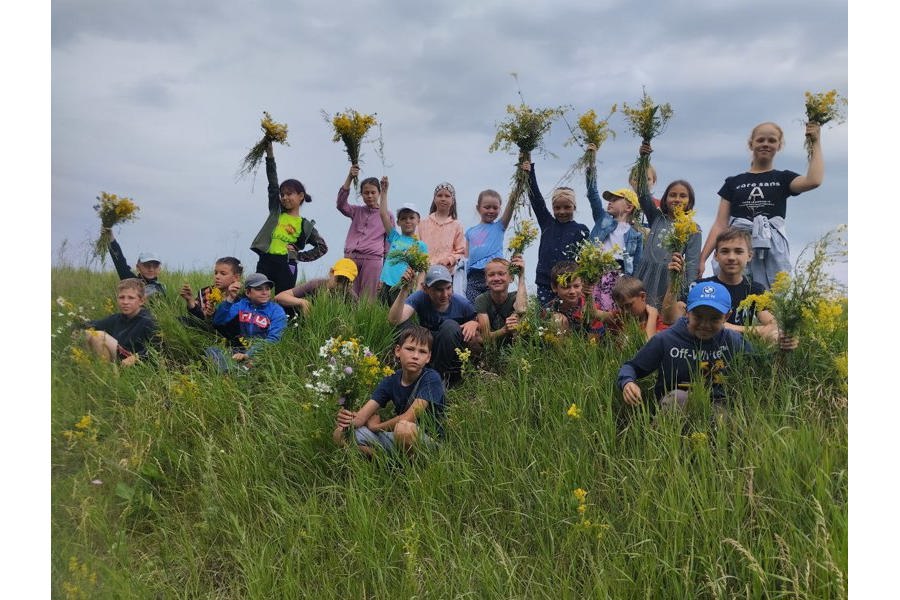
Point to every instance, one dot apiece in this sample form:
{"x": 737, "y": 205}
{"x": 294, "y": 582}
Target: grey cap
{"x": 408, "y": 206}
{"x": 436, "y": 274}
{"x": 145, "y": 257}
{"x": 255, "y": 280}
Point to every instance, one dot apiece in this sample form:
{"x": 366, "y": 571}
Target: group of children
{"x": 687, "y": 327}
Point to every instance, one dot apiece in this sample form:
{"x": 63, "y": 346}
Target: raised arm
{"x": 384, "y": 210}
{"x": 272, "y": 175}
{"x": 118, "y": 258}
{"x": 506, "y": 217}
{"x": 590, "y": 182}
{"x": 343, "y": 204}
{"x": 815, "y": 172}
{"x": 538, "y": 204}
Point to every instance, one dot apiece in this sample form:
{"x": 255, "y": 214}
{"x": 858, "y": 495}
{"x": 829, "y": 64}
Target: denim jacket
{"x": 605, "y": 223}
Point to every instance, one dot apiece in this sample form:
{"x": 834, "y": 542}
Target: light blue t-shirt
{"x": 392, "y": 273}
{"x": 485, "y": 242}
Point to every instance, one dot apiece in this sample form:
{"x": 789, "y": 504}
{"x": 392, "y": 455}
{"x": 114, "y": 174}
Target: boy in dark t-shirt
{"x": 416, "y": 392}
{"x": 733, "y": 252}
{"x": 497, "y": 309}
{"x": 125, "y": 336}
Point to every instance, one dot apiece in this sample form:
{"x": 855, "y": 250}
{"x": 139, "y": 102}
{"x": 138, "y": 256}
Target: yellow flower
{"x": 275, "y": 132}
{"x": 824, "y": 107}
{"x": 699, "y": 439}
{"x": 580, "y": 494}
{"x": 523, "y": 236}
{"x": 648, "y": 119}
{"x": 582, "y": 508}
{"x": 574, "y": 412}
{"x": 84, "y": 423}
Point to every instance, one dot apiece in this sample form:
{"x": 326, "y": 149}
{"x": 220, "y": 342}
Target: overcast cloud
{"x": 160, "y": 101}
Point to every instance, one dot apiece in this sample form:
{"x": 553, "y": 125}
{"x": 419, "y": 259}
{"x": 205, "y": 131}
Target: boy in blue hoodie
{"x": 697, "y": 345}
{"x": 260, "y": 320}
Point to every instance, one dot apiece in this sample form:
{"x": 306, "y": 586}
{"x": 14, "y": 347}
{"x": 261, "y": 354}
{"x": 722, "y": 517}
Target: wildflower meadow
{"x": 172, "y": 481}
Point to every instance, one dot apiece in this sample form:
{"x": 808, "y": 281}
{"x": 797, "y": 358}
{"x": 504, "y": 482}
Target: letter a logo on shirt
{"x": 757, "y": 193}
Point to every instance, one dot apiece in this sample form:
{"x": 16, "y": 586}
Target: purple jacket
{"x": 366, "y": 236}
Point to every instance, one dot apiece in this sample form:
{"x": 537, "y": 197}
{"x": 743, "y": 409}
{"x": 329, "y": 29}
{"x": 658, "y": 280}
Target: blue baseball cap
{"x": 709, "y": 293}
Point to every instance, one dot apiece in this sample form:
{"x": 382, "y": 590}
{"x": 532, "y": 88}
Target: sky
{"x": 160, "y": 101}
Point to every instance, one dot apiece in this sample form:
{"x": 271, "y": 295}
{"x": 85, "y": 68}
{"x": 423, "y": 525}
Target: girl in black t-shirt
{"x": 757, "y": 200}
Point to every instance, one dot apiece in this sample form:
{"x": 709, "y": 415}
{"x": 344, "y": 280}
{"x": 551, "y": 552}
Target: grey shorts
{"x": 385, "y": 439}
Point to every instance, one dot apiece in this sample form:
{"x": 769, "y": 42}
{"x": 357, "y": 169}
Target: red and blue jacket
{"x": 257, "y": 322}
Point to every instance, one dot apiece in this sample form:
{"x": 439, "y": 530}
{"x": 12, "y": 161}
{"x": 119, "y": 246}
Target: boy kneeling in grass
{"x": 126, "y": 335}
{"x": 697, "y": 345}
{"x": 416, "y": 391}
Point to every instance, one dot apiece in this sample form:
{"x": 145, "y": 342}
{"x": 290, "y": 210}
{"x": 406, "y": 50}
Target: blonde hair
{"x": 132, "y": 283}
{"x": 753, "y": 134}
{"x": 632, "y": 176}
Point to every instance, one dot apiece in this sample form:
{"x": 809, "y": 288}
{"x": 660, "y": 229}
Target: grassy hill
{"x": 171, "y": 481}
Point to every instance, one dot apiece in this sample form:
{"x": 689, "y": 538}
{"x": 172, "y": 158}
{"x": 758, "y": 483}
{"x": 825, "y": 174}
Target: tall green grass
{"x": 210, "y": 486}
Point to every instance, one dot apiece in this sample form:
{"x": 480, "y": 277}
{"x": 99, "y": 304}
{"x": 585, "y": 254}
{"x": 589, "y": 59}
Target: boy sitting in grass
{"x": 569, "y": 305}
{"x": 126, "y": 335}
{"x": 260, "y": 320}
{"x": 416, "y": 391}
{"x": 630, "y": 298}
{"x": 498, "y": 309}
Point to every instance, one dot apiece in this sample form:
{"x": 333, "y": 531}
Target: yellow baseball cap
{"x": 623, "y": 193}
{"x": 345, "y": 267}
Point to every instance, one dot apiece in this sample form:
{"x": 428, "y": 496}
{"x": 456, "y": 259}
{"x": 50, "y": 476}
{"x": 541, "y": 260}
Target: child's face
{"x": 130, "y": 302}
{"x": 224, "y": 276}
{"x": 678, "y": 195}
{"x": 259, "y": 295}
{"x": 733, "y": 256}
{"x": 563, "y": 210}
{"x": 413, "y": 356}
{"x": 370, "y": 195}
{"x": 569, "y": 294}
{"x": 619, "y": 207}
{"x": 705, "y": 322}
{"x": 765, "y": 142}
{"x": 149, "y": 269}
{"x": 443, "y": 201}
{"x": 635, "y": 306}
{"x": 291, "y": 199}
{"x": 497, "y": 277}
{"x": 408, "y": 221}
{"x": 489, "y": 209}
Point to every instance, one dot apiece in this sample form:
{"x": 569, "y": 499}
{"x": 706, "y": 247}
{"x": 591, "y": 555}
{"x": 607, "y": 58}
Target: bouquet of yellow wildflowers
{"x": 676, "y": 240}
{"x": 824, "y": 108}
{"x": 647, "y": 120}
{"x": 590, "y": 131}
{"x": 413, "y": 257}
{"x": 272, "y": 132}
{"x": 523, "y": 236}
{"x": 593, "y": 262}
{"x": 523, "y": 130}
{"x": 811, "y": 297}
{"x": 112, "y": 210}
{"x": 351, "y": 127}
{"x": 349, "y": 374}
